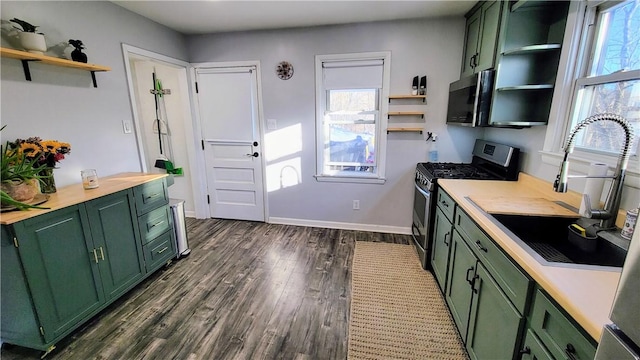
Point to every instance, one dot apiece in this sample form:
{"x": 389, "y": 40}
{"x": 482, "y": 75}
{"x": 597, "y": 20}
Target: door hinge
{"x": 208, "y": 200}
{"x": 15, "y": 241}
{"x": 202, "y": 141}
{"x": 42, "y": 330}
{"x": 197, "y": 88}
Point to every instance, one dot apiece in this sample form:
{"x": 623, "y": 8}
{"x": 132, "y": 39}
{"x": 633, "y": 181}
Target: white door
{"x": 228, "y": 102}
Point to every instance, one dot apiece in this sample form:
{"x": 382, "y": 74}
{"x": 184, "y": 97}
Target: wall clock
{"x": 284, "y": 70}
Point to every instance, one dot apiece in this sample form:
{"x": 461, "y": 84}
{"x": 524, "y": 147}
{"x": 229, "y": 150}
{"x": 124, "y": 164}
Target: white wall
{"x": 61, "y": 103}
{"x": 418, "y": 47}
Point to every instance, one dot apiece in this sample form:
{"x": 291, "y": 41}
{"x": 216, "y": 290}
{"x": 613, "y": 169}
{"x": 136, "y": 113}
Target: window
{"x": 609, "y": 80}
{"x": 349, "y": 99}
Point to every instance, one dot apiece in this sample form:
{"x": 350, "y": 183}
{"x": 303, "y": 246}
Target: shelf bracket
{"x": 25, "y": 67}
{"x": 93, "y": 78}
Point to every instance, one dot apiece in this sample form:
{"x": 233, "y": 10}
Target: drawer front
{"x": 158, "y": 251}
{"x": 515, "y": 283}
{"x": 446, "y": 204}
{"x": 532, "y": 349}
{"x": 154, "y": 223}
{"x": 151, "y": 195}
{"x": 557, "y": 332}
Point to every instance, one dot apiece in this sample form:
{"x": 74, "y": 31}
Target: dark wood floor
{"x": 248, "y": 291}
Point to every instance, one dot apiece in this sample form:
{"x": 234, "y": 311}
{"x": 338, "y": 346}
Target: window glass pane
{"x": 622, "y": 98}
{"x": 352, "y": 145}
{"x": 618, "y": 40}
{"x": 352, "y": 100}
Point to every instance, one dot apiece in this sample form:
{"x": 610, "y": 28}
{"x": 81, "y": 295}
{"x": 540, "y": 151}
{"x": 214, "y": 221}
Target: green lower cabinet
{"x": 532, "y": 348}
{"x": 64, "y": 281}
{"x": 460, "y": 278}
{"x": 494, "y": 323}
{"x": 440, "y": 247}
{"x": 118, "y": 251}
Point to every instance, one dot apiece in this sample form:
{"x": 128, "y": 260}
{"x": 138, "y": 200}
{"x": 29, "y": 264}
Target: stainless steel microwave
{"x": 470, "y": 99}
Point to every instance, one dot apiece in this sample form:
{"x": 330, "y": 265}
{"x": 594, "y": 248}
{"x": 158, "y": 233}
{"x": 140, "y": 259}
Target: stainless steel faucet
{"x": 607, "y": 215}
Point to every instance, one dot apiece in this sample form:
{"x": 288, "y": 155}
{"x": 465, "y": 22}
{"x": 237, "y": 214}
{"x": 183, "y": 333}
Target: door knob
{"x": 255, "y": 154}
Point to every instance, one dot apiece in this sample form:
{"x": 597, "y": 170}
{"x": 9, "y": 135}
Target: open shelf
{"x": 532, "y": 49}
{"x": 405, "y": 113}
{"x": 27, "y": 57}
{"x": 405, "y": 97}
{"x": 398, "y": 129}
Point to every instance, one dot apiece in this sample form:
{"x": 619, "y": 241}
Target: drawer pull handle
{"x": 570, "y": 351}
{"x": 525, "y": 351}
{"x": 151, "y": 196}
{"x": 156, "y": 224}
{"x": 479, "y": 245}
{"x": 101, "y": 253}
{"x": 95, "y": 255}
{"x": 444, "y": 203}
{"x": 469, "y": 272}
{"x": 163, "y": 250}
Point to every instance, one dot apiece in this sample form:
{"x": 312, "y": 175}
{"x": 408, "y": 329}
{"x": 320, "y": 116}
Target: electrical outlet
{"x": 356, "y": 204}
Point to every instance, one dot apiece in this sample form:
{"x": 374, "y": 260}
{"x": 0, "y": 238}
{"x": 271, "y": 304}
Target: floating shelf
{"x": 405, "y": 113}
{"x": 532, "y": 49}
{"x": 405, "y": 97}
{"x": 525, "y": 87}
{"x": 27, "y": 57}
{"x": 404, "y": 130}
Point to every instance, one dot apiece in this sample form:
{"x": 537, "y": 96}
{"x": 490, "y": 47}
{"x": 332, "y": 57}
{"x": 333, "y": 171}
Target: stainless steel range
{"x": 491, "y": 161}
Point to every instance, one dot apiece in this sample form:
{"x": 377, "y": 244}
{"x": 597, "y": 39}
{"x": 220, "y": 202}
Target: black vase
{"x": 79, "y": 56}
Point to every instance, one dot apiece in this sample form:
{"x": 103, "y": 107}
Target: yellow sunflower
{"x": 30, "y": 150}
{"x": 50, "y": 146}
{"x": 64, "y": 147}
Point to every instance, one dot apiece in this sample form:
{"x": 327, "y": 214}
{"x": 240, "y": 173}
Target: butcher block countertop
{"x": 586, "y": 294}
{"x": 76, "y": 194}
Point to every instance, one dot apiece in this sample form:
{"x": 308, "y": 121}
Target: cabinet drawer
{"x": 532, "y": 349}
{"x": 151, "y": 195}
{"x": 446, "y": 204}
{"x": 154, "y": 223}
{"x": 158, "y": 251}
{"x": 558, "y": 332}
{"x": 515, "y": 284}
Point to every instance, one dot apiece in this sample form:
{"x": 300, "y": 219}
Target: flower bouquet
{"x": 44, "y": 154}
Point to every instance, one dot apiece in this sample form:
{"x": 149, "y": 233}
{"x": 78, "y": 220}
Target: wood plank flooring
{"x": 248, "y": 290}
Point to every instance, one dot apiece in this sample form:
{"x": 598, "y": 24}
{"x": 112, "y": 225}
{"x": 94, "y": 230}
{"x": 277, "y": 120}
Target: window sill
{"x": 580, "y": 163}
{"x": 350, "y": 179}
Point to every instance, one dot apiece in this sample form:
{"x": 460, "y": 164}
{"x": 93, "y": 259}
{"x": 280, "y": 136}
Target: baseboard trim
{"x": 341, "y": 225}
{"x": 189, "y": 214}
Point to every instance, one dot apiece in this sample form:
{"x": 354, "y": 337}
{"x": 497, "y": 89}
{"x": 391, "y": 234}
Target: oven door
{"x": 420, "y": 225}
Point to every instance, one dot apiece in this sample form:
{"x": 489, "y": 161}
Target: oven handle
{"x": 424, "y": 193}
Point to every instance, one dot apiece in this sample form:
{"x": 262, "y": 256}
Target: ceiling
{"x": 213, "y": 16}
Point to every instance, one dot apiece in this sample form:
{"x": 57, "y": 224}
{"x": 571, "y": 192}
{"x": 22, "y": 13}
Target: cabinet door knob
{"x": 255, "y": 154}
{"x": 570, "y": 351}
{"x": 525, "y": 351}
{"x": 445, "y": 238}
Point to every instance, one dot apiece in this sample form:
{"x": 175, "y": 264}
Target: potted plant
{"x": 30, "y": 40}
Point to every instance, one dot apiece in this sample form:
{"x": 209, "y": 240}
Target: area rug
{"x": 397, "y": 310}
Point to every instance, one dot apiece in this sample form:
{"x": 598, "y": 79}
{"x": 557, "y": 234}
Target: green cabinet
{"x": 61, "y": 268}
{"x": 533, "y": 349}
{"x": 440, "y": 247}
{"x": 481, "y": 37}
{"x": 527, "y": 62}
{"x": 461, "y": 277}
{"x": 495, "y": 324}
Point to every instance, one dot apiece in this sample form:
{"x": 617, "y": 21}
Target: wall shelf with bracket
{"x": 405, "y": 113}
{"x": 26, "y": 58}
{"x": 389, "y": 130}
{"x": 407, "y": 97}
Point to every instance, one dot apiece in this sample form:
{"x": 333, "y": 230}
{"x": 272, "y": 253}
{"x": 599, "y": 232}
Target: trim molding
{"x": 341, "y": 225}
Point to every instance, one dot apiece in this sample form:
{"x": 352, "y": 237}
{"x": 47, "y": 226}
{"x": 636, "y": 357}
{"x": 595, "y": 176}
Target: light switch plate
{"x": 126, "y": 126}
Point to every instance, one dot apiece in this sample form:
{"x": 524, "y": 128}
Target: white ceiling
{"x": 212, "y": 16}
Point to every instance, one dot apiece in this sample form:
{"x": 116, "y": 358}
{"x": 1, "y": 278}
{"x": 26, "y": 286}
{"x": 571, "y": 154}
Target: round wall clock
{"x": 284, "y": 70}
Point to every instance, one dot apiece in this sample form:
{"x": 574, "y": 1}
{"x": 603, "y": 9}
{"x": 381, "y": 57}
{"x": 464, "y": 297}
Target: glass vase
{"x": 48, "y": 183}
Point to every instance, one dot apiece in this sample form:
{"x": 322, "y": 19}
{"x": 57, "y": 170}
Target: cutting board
{"x": 521, "y": 206}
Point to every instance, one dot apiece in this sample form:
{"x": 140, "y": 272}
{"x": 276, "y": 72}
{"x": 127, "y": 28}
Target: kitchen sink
{"x": 547, "y": 240}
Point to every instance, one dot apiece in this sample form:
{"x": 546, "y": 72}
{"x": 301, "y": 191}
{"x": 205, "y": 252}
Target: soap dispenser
{"x": 433, "y": 148}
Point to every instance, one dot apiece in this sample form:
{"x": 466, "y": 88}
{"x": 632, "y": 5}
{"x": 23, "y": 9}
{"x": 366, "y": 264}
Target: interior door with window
{"x": 228, "y": 104}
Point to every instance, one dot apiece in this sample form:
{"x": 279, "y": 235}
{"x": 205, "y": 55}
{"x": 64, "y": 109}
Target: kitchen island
{"x": 585, "y": 293}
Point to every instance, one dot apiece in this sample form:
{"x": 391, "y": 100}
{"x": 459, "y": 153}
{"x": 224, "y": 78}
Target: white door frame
{"x": 128, "y": 52}
{"x": 201, "y": 164}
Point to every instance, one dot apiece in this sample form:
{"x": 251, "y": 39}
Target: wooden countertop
{"x": 586, "y": 294}
{"x": 76, "y": 194}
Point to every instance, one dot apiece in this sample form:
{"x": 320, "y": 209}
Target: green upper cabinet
{"x": 56, "y": 252}
{"x": 118, "y": 250}
{"x": 527, "y": 62}
{"x": 481, "y": 37}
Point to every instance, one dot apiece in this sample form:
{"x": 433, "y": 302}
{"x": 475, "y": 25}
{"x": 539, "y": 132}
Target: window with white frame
{"x": 609, "y": 76}
{"x": 349, "y": 100}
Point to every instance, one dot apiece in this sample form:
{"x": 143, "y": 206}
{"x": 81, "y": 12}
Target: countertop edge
{"x": 585, "y": 294}
{"x": 75, "y": 194}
